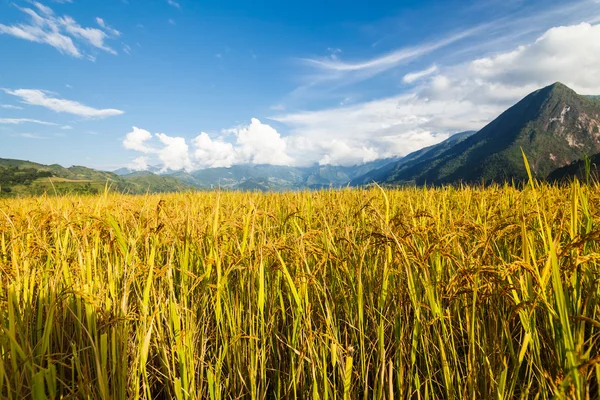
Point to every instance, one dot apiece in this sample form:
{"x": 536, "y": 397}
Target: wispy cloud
{"x": 31, "y": 136}
{"x": 415, "y": 76}
{"x": 44, "y": 99}
{"x": 389, "y": 60}
{"x": 10, "y": 107}
{"x": 62, "y": 33}
{"x": 173, "y": 3}
{"x": 171, "y": 21}
{"x": 107, "y": 28}
{"x": 19, "y": 121}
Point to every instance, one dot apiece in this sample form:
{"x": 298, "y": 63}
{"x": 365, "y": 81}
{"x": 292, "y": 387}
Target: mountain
{"x": 579, "y": 169}
{"x": 149, "y": 182}
{"x": 595, "y": 98}
{"x": 393, "y": 169}
{"x": 553, "y": 125}
{"x": 128, "y": 171}
{"x": 275, "y": 177}
{"x": 74, "y": 172}
{"x": 22, "y": 178}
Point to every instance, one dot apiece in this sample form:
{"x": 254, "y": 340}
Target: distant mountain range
{"x": 270, "y": 177}
{"x": 555, "y": 127}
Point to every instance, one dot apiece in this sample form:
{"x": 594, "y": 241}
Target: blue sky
{"x": 214, "y": 83}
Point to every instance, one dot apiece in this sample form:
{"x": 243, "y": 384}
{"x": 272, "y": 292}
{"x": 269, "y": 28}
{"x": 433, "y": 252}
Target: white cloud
{"x": 173, "y": 3}
{"x": 44, "y": 9}
{"x": 31, "y": 136}
{"x": 137, "y": 139}
{"x": 126, "y": 49}
{"x": 415, "y": 76}
{"x": 256, "y": 143}
{"x": 171, "y": 21}
{"x": 570, "y": 54}
{"x": 139, "y": 164}
{"x": 211, "y": 153}
{"x": 175, "y": 153}
{"x": 333, "y": 67}
{"x": 18, "y": 121}
{"x": 259, "y": 143}
{"x": 107, "y": 28}
{"x": 44, "y": 99}
{"x": 93, "y": 36}
{"x": 10, "y": 107}
{"x": 66, "y": 127}
{"x": 59, "y": 32}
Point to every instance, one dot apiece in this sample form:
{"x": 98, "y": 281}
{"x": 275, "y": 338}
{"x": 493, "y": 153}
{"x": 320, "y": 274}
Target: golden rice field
{"x": 339, "y": 294}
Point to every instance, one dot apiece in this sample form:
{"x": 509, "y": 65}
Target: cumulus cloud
{"x": 60, "y": 32}
{"x": 570, "y": 54}
{"x": 44, "y": 99}
{"x": 175, "y": 153}
{"x": 259, "y": 143}
{"x": 256, "y": 143}
{"x": 139, "y": 164}
{"x": 209, "y": 153}
{"x": 137, "y": 139}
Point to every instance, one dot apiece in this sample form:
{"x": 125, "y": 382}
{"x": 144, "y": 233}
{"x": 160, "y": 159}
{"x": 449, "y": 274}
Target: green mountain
{"x": 582, "y": 169}
{"x": 74, "y": 172}
{"x": 391, "y": 170}
{"x": 595, "y": 98}
{"x": 149, "y": 182}
{"x": 24, "y": 178}
{"x": 553, "y": 125}
{"x": 274, "y": 177}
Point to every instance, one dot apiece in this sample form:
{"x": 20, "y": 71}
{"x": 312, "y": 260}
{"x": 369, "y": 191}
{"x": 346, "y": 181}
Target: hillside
{"x": 143, "y": 182}
{"x": 595, "y": 97}
{"x": 393, "y": 169}
{"x": 74, "y": 172}
{"x": 579, "y": 169}
{"x": 553, "y": 125}
{"x": 24, "y": 178}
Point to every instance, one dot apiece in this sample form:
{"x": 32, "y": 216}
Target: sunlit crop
{"x": 475, "y": 293}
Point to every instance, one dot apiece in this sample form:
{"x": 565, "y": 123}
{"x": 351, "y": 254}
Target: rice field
{"x": 475, "y": 293}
